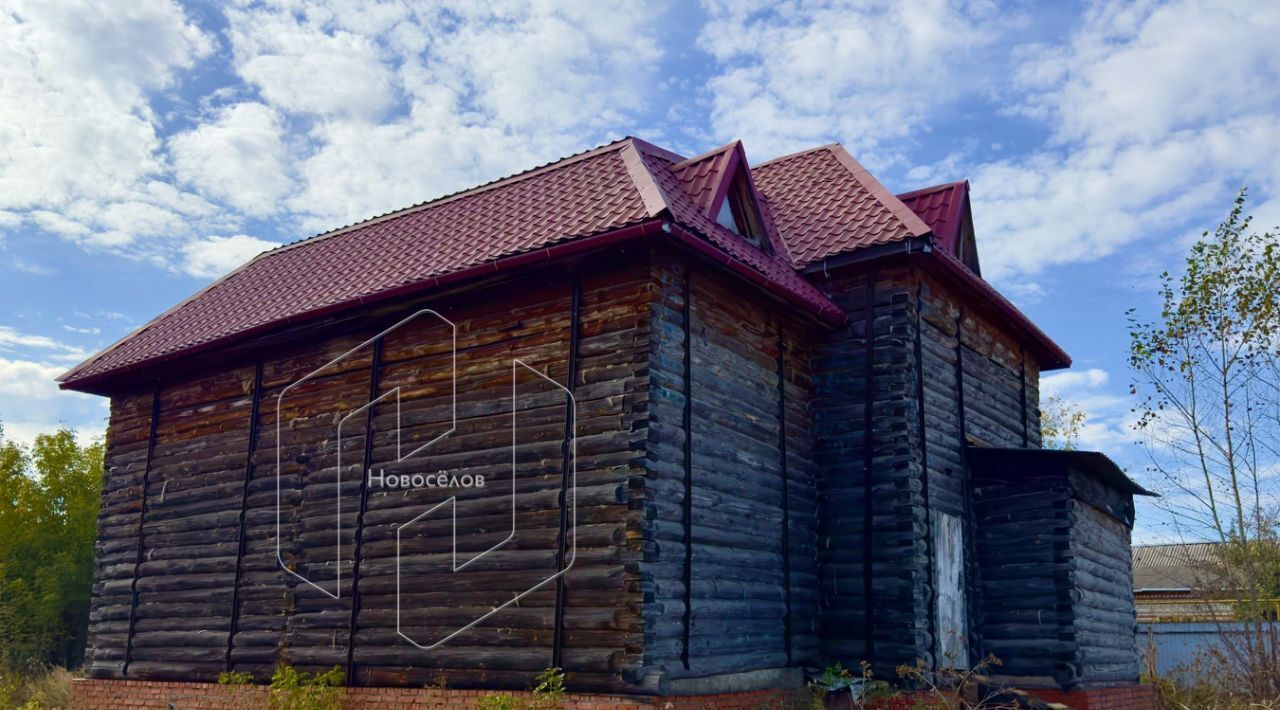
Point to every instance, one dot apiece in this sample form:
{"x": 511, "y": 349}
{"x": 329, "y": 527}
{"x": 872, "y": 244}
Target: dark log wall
{"x": 872, "y": 518}
{"x": 752, "y": 492}
{"x": 1023, "y": 551}
{"x": 276, "y": 611}
{"x": 117, "y": 547}
{"x": 932, "y": 391}
{"x": 978, "y": 387}
{"x": 1102, "y": 574}
{"x": 730, "y": 564}
{"x": 1057, "y": 584}
{"x": 191, "y": 526}
{"x": 197, "y": 499}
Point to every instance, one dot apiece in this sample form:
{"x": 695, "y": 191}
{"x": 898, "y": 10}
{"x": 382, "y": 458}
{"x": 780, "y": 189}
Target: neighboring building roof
{"x": 1182, "y": 567}
{"x": 825, "y": 203}
{"x": 814, "y": 205}
{"x": 942, "y": 208}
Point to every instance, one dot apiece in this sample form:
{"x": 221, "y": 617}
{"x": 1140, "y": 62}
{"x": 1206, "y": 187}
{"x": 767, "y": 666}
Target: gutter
{"x": 69, "y": 381}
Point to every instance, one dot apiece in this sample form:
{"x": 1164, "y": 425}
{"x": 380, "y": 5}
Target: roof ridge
{"x": 459, "y": 194}
{"x": 797, "y": 154}
{"x": 656, "y": 200}
{"x": 707, "y": 155}
{"x": 932, "y": 188}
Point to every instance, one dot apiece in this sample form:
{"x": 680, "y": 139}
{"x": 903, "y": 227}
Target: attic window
{"x": 740, "y": 215}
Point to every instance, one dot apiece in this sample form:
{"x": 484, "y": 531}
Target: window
{"x": 740, "y": 215}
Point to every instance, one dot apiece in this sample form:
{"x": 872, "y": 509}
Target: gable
{"x": 947, "y": 211}
{"x": 720, "y": 183}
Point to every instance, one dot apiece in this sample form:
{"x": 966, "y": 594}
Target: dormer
{"x": 720, "y": 183}
{"x": 945, "y": 208}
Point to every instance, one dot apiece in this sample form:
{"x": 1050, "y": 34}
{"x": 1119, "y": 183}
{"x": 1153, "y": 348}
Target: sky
{"x": 146, "y": 147}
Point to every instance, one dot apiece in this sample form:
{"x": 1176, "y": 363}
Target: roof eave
{"x": 94, "y": 384}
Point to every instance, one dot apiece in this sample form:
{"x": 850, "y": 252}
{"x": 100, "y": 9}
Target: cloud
{"x": 1153, "y": 125}
{"x": 304, "y": 62}
{"x": 79, "y": 150}
{"x": 12, "y": 340}
{"x": 460, "y": 95}
{"x": 1108, "y": 421}
{"x": 1064, "y": 382}
{"x": 31, "y": 403}
{"x": 239, "y": 157}
{"x": 212, "y": 257}
{"x": 865, "y": 72}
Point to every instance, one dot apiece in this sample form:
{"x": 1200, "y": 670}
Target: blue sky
{"x": 147, "y": 147}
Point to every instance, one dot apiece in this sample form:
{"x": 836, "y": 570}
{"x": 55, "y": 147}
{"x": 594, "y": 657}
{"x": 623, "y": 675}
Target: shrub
{"x": 292, "y": 690}
{"x": 548, "y": 688}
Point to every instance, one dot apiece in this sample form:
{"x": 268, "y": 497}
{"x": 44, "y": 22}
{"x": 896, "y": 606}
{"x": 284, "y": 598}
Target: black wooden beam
{"x": 868, "y": 486}
{"x": 142, "y": 520}
{"x": 375, "y": 381}
{"x": 688, "y": 465}
{"x": 972, "y": 588}
{"x": 786, "y": 488}
{"x": 244, "y": 507}
{"x": 1022, "y": 398}
{"x": 930, "y": 611}
{"x": 575, "y": 323}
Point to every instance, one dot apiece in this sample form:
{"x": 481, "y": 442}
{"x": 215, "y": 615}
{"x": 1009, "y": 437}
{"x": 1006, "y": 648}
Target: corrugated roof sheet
{"x": 1175, "y": 567}
{"x": 827, "y": 204}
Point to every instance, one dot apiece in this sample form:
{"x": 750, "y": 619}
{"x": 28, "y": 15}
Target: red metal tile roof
{"x": 703, "y": 176}
{"x": 942, "y": 208}
{"x": 601, "y": 191}
{"x": 814, "y": 204}
{"x": 827, "y": 204}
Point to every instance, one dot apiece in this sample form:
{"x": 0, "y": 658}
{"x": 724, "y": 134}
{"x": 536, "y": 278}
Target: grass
{"x": 42, "y": 690}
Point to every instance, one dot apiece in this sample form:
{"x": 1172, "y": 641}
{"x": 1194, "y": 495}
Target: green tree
{"x": 1060, "y": 424}
{"x": 49, "y": 498}
{"x": 1207, "y": 375}
{"x": 1207, "y": 379}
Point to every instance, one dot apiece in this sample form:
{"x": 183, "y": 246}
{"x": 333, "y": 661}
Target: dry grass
{"x": 45, "y": 690}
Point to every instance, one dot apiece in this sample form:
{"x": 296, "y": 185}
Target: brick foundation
{"x": 1129, "y": 697}
{"x": 93, "y": 694}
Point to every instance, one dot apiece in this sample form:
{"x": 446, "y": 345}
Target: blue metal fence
{"x": 1177, "y": 646}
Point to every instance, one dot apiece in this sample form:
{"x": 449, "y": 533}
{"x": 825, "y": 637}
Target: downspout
{"x": 688, "y": 465}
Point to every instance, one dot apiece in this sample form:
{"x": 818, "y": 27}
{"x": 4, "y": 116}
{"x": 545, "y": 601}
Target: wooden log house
{"x": 734, "y": 422}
